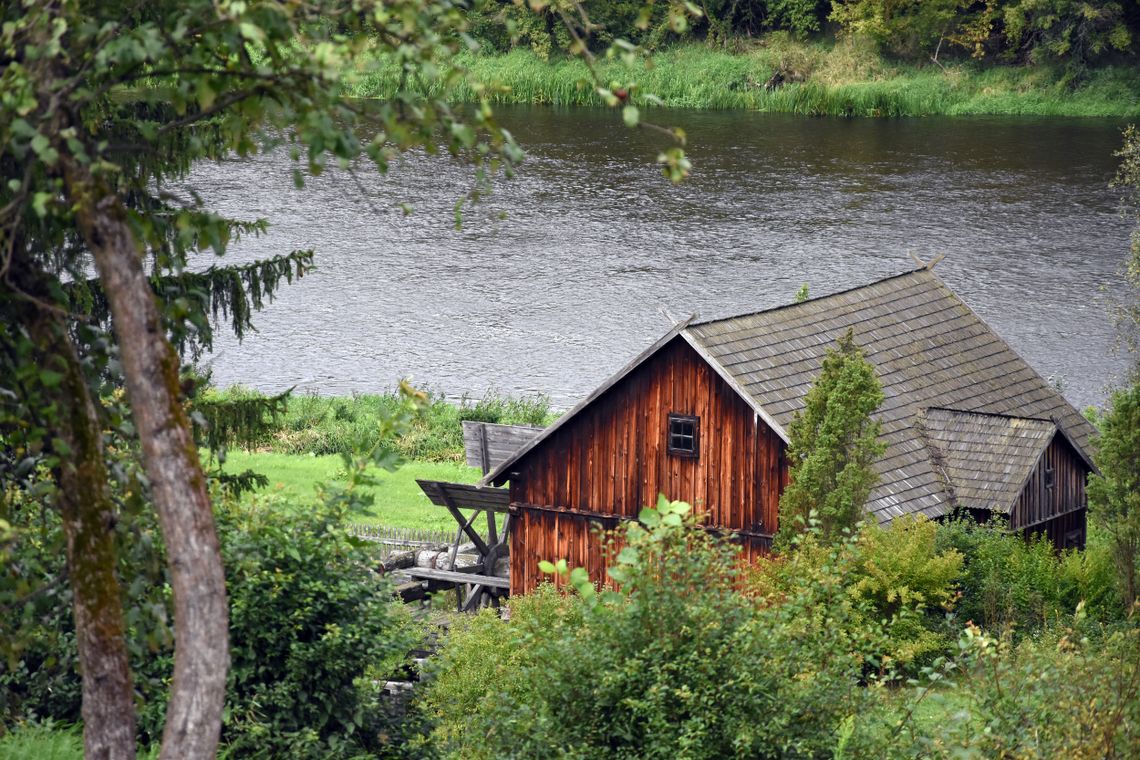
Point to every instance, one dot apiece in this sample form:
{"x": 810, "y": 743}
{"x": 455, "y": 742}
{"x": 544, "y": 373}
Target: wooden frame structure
{"x": 485, "y": 445}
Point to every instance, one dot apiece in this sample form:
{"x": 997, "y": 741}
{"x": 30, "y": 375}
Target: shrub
{"x": 1063, "y": 696}
{"x": 1007, "y": 580}
{"x": 834, "y": 444}
{"x": 911, "y": 585}
{"x": 678, "y": 663}
{"x": 1089, "y": 576}
{"x": 309, "y": 618}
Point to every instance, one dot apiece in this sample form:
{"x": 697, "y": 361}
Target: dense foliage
{"x": 833, "y": 444}
{"x": 312, "y": 629}
{"x": 1114, "y": 492}
{"x": 678, "y": 663}
{"x": 695, "y": 655}
{"x": 1076, "y": 32}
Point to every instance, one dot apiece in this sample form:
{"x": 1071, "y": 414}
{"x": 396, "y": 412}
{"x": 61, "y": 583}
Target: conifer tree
{"x": 834, "y": 443}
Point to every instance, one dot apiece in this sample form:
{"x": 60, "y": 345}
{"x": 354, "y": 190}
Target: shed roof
{"x": 928, "y": 349}
{"x": 984, "y": 459}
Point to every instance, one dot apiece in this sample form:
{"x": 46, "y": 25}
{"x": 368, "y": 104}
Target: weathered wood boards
{"x": 487, "y": 445}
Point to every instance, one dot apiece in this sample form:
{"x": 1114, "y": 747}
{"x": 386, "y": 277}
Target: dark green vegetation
{"x": 841, "y": 649}
{"x": 1077, "y": 32}
{"x": 313, "y": 629}
{"x": 1114, "y": 492}
{"x": 104, "y": 108}
{"x": 811, "y": 57}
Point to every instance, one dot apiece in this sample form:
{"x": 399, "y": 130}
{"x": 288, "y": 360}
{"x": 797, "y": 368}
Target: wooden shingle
{"x": 984, "y": 459}
{"x": 929, "y": 351}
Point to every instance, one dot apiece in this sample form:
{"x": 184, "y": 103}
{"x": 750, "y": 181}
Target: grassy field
{"x": 50, "y": 743}
{"x": 825, "y": 79}
{"x": 399, "y": 501}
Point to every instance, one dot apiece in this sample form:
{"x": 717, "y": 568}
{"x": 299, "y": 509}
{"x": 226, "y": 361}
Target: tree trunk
{"x": 88, "y": 517}
{"x": 170, "y": 458}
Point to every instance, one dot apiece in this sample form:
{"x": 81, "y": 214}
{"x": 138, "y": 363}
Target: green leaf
{"x": 206, "y": 94}
{"x": 251, "y": 31}
{"x": 628, "y": 556}
{"x": 546, "y": 567}
{"x": 650, "y": 517}
{"x": 619, "y": 574}
{"x": 630, "y": 115}
{"x": 39, "y": 203}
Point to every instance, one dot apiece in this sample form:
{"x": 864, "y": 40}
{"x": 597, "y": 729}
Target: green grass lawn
{"x": 399, "y": 501}
{"x": 52, "y": 742}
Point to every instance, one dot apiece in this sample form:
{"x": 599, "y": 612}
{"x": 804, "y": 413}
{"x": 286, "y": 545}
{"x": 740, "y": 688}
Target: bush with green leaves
{"x": 1089, "y": 577}
{"x": 1064, "y": 695}
{"x": 1114, "y": 491}
{"x": 312, "y": 626}
{"x": 39, "y": 667}
{"x": 678, "y": 662}
{"x": 1008, "y": 581}
{"x": 309, "y": 618}
{"x": 912, "y": 585}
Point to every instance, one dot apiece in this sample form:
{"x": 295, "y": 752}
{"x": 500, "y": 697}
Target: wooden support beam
{"x": 465, "y": 524}
{"x": 455, "y": 576}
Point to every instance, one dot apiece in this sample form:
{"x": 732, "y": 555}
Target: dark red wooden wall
{"x": 611, "y": 460}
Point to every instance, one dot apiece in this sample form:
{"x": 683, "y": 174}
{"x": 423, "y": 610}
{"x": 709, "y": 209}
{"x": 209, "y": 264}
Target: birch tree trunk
{"x": 170, "y": 459}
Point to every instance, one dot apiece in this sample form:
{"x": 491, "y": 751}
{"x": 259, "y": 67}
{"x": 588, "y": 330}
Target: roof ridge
{"x": 701, "y": 322}
{"x": 1050, "y": 420}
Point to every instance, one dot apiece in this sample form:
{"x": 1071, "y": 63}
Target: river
{"x": 566, "y": 271}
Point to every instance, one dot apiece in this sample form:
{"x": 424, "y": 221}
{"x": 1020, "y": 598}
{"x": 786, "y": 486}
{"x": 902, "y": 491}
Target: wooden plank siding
{"x": 1058, "y": 510}
{"x": 543, "y": 533}
{"x": 611, "y": 460}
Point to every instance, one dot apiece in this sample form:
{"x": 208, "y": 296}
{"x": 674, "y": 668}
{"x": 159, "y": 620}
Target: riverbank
{"x": 844, "y": 78}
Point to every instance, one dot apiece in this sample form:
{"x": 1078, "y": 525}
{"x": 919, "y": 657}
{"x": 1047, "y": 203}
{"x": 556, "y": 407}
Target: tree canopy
{"x": 104, "y": 108}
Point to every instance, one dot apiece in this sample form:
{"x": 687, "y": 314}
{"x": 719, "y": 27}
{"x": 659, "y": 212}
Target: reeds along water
{"x": 836, "y": 81}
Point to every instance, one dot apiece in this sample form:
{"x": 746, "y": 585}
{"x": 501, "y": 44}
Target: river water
{"x": 566, "y": 271}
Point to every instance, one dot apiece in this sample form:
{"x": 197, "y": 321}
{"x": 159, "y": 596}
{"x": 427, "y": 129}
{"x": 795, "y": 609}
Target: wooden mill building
{"x": 702, "y": 416}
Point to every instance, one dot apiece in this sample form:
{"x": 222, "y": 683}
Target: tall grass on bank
{"x": 847, "y": 78}
{"x": 321, "y": 425}
{"x": 51, "y": 742}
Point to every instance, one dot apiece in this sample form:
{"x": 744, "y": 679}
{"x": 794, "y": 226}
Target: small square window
{"x": 1049, "y": 479}
{"x": 684, "y": 435}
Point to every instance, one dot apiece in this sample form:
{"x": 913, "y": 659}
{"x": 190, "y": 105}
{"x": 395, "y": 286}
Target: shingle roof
{"x": 928, "y": 349}
{"x": 984, "y": 459}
